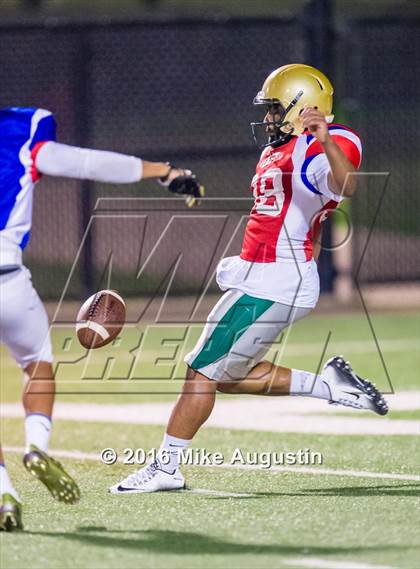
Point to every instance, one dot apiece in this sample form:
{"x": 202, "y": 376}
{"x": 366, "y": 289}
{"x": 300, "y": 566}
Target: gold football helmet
{"x": 285, "y": 93}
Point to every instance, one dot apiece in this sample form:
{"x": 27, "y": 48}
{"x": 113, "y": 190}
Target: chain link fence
{"x": 182, "y": 91}
{"x": 379, "y": 59}
{"x": 179, "y": 91}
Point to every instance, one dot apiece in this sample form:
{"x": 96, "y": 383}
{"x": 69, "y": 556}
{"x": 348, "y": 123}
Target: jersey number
{"x": 268, "y": 192}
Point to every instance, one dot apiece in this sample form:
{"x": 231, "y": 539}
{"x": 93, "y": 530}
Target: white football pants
{"x": 24, "y": 325}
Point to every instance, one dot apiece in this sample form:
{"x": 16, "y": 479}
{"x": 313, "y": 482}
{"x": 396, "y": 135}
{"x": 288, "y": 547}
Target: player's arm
{"x": 154, "y": 169}
{"x": 63, "y": 160}
{"x": 341, "y": 178}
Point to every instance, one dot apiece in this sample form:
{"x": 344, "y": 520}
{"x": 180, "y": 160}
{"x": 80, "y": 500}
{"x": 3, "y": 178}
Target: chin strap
{"x": 293, "y": 103}
{"x": 280, "y": 141}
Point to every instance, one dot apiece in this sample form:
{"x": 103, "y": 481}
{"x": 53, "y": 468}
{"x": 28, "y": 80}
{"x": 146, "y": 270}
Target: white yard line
{"x": 317, "y": 563}
{"x": 273, "y": 414}
{"x": 317, "y": 471}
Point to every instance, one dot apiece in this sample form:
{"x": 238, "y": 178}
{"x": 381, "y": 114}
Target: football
{"x": 100, "y": 319}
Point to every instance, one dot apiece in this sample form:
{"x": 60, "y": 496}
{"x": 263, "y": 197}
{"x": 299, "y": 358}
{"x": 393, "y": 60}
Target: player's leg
{"x": 212, "y": 359}
{"x": 192, "y": 409}
{"x": 10, "y": 503}
{"x": 239, "y": 332}
{"x": 337, "y": 383}
{"x": 25, "y": 331}
{"x": 247, "y": 374}
{"x": 228, "y": 355}
{"x": 38, "y": 401}
{"x": 6, "y": 485}
{"x": 265, "y": 378}
{"x": 193, "y": 406}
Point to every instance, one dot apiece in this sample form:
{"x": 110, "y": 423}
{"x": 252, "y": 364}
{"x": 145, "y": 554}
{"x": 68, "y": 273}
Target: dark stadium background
{"x": 175, "y": 80}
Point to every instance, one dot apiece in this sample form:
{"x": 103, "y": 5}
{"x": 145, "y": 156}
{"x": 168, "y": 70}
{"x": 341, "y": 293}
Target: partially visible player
{"x": 306, "y": 168}
{"x": 27, "y": 150}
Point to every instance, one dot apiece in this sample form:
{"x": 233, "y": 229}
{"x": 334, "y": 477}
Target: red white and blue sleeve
{"x": 315, "y": 168}
{"x": 45, "y": 131}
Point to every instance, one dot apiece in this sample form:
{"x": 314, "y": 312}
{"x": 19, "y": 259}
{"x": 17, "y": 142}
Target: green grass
{"x": 282, "y": 519}
{"x": 101, "y": 375}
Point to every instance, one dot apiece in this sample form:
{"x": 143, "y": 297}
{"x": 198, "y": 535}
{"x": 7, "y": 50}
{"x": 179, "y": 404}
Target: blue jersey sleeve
{"x": 46, "y": 130}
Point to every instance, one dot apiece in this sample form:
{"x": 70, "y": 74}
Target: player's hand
{"x": 316, "y": 123}
{"x": 180, "y": 181}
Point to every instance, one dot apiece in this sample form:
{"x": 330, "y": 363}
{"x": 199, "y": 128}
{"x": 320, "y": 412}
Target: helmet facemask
{"x": 279, "y": 129}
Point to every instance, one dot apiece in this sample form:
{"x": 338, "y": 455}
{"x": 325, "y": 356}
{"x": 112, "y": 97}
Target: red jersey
{"x": 290, "y": 189}
{"x": 291, "y": 199}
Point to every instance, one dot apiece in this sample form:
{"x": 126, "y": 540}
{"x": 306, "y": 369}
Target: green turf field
{"x": 230, "y": 517}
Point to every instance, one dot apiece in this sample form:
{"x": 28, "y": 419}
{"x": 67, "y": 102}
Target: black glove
{"x": 185, "y": 184}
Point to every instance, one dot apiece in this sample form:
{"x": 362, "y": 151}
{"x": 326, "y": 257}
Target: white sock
{"x": 308, "y": 384}
{"x": 37, "y": 431}
{"x": 168, "y": 454}
{"x": 6, "y": 486}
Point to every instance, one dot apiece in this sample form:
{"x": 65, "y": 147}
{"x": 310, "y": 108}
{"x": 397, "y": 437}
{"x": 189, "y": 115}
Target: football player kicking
{"x": 28, "y": 150}
{"x": 306, "y": 168}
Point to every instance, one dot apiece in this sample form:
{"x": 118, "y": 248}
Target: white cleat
{"x": 150, "y": 478}
{"x": 349, "y": 389}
